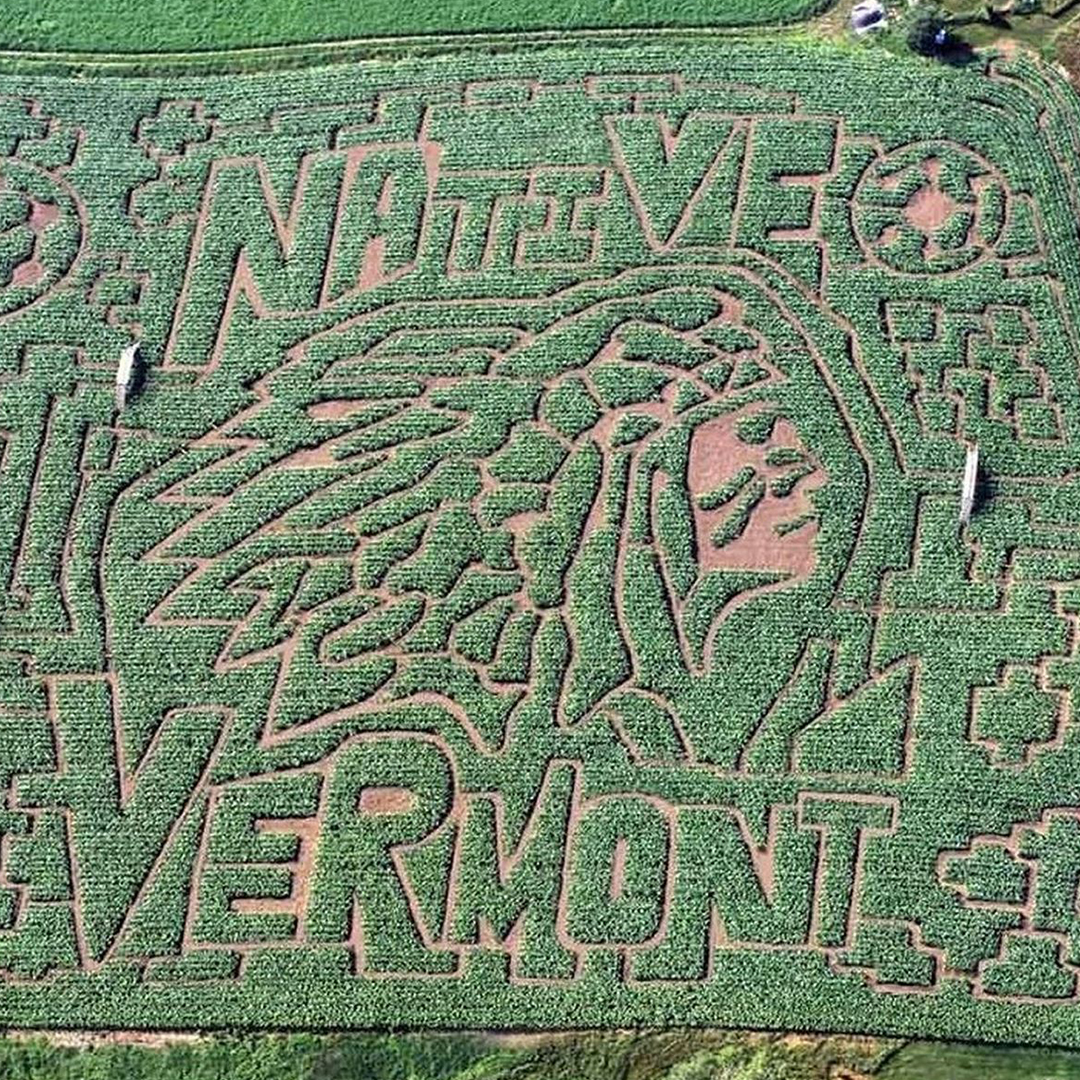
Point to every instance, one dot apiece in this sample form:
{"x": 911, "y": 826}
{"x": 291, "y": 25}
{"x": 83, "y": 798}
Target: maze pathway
{"x": 523, "y": 586}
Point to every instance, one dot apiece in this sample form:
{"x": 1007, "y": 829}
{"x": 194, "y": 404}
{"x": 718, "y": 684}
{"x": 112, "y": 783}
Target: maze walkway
{"x": 524, "y": 586}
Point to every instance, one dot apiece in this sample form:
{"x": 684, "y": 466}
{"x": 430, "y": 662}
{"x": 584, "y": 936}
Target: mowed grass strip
{"x": 119, "y": 26}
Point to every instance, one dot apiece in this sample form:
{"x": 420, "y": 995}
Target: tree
{"x": 927, "y": 31}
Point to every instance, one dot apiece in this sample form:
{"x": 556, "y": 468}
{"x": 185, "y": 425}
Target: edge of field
{"x": 668, "y": 1055}
{"x": 255, "y": 59}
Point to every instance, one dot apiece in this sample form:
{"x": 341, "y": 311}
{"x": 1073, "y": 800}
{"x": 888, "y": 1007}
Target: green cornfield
{"x": 520, "y": 585}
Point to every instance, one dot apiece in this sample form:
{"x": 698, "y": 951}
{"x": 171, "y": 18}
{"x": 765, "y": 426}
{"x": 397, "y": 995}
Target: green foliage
{"x": 926, "y": 25}
{"x": 64, "y": 26}
{"x": 672, "y": 1055}
{"x": 524, "y": 586}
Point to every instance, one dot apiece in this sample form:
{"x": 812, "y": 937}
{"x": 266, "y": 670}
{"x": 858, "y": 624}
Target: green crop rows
{"x": 111, "y": 26}
{"x": 524, "y": 587}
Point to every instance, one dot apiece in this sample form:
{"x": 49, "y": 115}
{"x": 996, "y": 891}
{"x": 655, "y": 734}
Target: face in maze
{"x": 624, "y": 484}
{"x": 701, "y": 462}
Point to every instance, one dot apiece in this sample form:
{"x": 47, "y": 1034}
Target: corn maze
{"x": 524, "y": 587}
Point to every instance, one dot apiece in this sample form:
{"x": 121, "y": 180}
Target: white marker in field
{"x": 125, "y": 374}
{"x": 967, "y": 491}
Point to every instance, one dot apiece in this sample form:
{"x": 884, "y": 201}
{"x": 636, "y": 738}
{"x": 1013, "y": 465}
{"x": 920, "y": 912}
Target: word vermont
{"x": 412, "y": 873}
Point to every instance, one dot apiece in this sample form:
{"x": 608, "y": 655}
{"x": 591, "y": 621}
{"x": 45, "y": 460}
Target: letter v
{"x": 119, "y": 825}
{"x": 669, "y": 172}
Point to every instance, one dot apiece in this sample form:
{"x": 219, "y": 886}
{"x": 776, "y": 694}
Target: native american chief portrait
{"x": 553, "y": 509}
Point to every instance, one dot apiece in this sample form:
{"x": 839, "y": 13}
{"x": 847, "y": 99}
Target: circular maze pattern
{"x": 930, "y": 207}
{"x": 40, "y": 233}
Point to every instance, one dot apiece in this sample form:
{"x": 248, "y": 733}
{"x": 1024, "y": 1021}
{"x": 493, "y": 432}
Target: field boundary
{"x": 255, "y": 59}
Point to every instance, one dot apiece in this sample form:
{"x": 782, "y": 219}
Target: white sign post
{"x": 125, "y": 374}
{"x": 967, "y": 491}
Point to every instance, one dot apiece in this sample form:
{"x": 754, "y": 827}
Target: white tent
{"x": 868, "y": 15}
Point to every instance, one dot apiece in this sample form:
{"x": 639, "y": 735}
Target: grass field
{"x": 670, "y": 1055}
{"x": 125, "y": 25}
{"x": 523, "y": 589}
